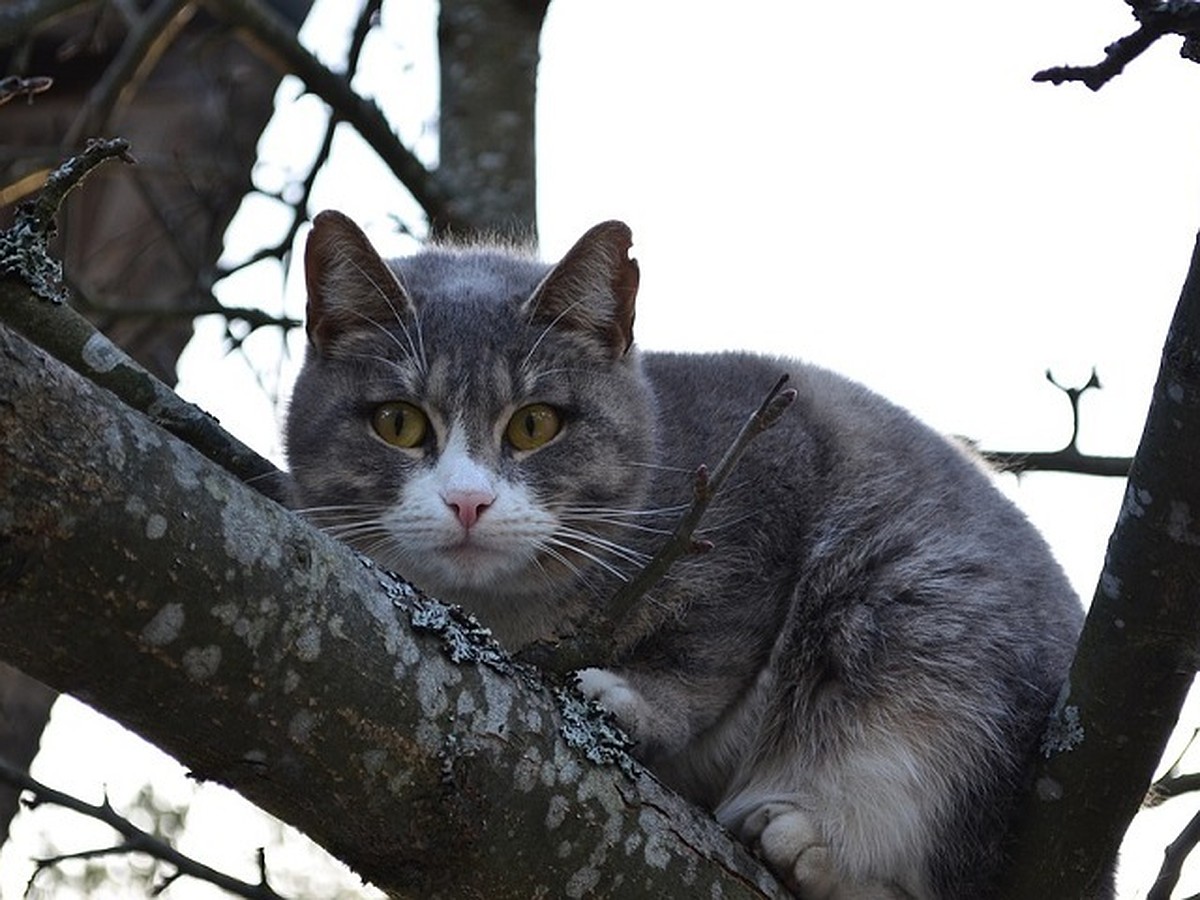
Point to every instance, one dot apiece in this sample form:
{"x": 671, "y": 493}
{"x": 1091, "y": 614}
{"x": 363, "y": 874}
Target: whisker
{"x": 602, "y": 563}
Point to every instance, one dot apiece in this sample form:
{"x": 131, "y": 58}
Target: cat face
{"x": 472, "y": 419}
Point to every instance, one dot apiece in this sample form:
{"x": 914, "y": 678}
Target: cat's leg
{"x": 642, "y": 707}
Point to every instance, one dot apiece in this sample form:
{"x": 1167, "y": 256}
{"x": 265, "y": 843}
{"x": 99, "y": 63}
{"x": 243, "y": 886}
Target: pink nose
{"x": 469, "y": 505}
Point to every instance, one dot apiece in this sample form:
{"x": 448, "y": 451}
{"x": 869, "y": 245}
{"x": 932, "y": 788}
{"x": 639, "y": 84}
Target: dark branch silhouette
{"x": 133, "y": 840}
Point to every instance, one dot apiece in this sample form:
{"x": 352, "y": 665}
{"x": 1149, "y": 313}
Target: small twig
{"x": 29, "y": 276}
{"x": 594, "y": 637}
{"x": 149, "y": 36}
{"x": 23, "y": 247}
{"x": 1155, "y": 19}
{"x": 1069, "y": 458}
{"x": 425, "y": 186}
{"x": 706, "y": 487}
{"x": 1173, "y": 858}
{"x": 134, "y": 839}
{"x": 15, "y": 86}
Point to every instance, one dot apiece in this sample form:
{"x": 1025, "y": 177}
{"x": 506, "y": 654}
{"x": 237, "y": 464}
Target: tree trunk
{"x": 489, "y": 54}
{"x": 140, "y": 577}
{"x": 1137, "y": 656}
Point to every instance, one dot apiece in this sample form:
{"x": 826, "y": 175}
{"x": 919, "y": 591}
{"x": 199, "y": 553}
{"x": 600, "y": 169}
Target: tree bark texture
{"x": 1138, "y": 653}
{"x": 140, "y": 577}
{"x": 488, "y": 51}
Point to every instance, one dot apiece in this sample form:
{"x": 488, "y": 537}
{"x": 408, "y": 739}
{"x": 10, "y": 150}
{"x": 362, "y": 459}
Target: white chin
{"x": 472, "y": 570}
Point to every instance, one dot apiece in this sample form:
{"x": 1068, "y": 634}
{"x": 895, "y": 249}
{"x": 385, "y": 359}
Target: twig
{"x": 425, "y": 186}
{"x": 16, "y": 86}
{"x": 150, "y": 35}
{"x": 595, "y": 637}
{"x": 1069, "y": 458}
{"x": 706, "y": 487}
{"x": 300, "y": 212}
{"x": 1155, "y": 20}
{"x": 1173, "y": 858}
{"x": 61, "y": 331}
{"x": 23, "y": 246}
{"x": 135, "y": 840}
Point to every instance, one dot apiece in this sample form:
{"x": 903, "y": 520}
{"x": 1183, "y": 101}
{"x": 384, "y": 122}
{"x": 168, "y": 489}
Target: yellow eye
{"x": 400, "y": 424}
{"x": 532, "y": 426}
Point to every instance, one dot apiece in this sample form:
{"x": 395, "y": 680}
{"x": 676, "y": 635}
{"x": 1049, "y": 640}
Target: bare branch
{"x": 594, "y": 637}
{"x": 135, "y": 839}
{"x": 1173, "y": 858}
{"x": 1108, "y": 730}
{"x": 417, "y": 755}
{"x": 149, "y": 36}
{"x": 1069, "y": 458}
{"x": 424, "y": 185}
{"x": 72, "y": 339}
{"x": 1156, "y": 20}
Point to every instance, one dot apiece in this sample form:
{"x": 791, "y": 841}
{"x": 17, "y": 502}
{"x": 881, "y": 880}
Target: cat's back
{"x": 850, "y": 487}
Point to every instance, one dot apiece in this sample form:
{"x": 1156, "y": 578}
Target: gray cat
{"x": 851, "y": 680}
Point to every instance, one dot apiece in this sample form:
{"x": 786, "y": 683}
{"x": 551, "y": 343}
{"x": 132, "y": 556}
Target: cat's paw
{"x": 616, "y": 695}
{"x": 789, "y": 841}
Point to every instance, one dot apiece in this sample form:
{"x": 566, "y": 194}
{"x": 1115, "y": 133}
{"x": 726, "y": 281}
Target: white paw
{"x": 616, "y": 695}
{"x": 793, "y": 847}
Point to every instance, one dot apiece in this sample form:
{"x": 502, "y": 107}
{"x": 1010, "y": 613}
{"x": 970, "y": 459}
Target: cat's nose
{"x": 469, "y": 505}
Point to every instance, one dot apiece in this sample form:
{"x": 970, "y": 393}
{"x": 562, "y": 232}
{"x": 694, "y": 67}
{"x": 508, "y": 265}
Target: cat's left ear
{"x": 592, "y": 290}
{"x": 350, "y": 287}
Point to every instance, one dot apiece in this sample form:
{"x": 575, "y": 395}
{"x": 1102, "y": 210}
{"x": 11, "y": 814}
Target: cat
{"x": 852, "y": 678}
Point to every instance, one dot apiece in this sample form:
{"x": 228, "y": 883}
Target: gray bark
{"x": 488, "y": 50}
{"x": 140, "y": 577}
{"x": 1137, "y": 656}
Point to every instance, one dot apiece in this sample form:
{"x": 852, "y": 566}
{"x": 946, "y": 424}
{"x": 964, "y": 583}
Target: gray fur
{"x": 851, "y": 680}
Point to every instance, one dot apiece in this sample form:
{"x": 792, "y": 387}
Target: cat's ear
{"x": 592, "y": 290}
{"x": 350, "y": 287}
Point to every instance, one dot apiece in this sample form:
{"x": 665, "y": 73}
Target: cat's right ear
{"x": 350, "y": 288}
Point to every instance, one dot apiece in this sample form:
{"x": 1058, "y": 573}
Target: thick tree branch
{"x": 1137, "y": 655}
{"x": 276, "y": 661}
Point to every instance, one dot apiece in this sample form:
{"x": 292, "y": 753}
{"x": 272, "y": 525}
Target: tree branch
{"x": 270, "y": 31}
{"x": 135, "y": 840}
{"x": 26, "y": 270}
{"x": 280, "y": 663}
{"x": 594, "y": 638}
{"x": 1156, "y": 19}
{"x": 1108, "y": 730}
{"x": 1069, "y": 458}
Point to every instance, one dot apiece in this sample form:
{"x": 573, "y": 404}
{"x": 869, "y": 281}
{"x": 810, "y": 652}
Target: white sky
{"x": 877, "y": 187}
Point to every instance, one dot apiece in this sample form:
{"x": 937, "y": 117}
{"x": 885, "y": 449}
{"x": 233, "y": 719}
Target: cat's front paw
{"x": 616, "y": 695}
{"x": 792, "y": 846}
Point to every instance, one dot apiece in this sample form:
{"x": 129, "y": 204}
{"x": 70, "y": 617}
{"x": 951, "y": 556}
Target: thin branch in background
{"x": 15, "y": 86}
{"x": 133, "y": 840}
{"x": 1069, "y": 458}
{"x": 365, "y": 116}
{"x": 31, "y": 302}
{"x": 148, "y": 38}
{"x": 1174, "y": 857}
{"x": 367, "y": 19}
{"x": 1155, "y": 19}
{"x": 1174, "y": 782}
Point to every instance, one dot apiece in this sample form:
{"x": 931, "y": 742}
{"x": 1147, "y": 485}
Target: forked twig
{"x": 705, "y": 488}
{"x": 133, "y": 839}
{"x": 595, "y": 637}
